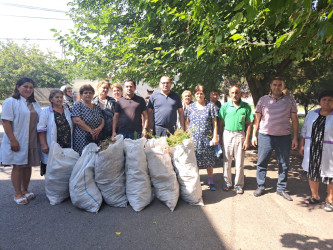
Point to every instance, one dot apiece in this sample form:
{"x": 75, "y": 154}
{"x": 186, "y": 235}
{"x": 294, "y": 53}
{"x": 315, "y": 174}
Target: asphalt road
{"x": 227, "y": 221}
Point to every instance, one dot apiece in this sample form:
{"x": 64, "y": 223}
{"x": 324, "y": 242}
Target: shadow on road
{"x": 39, "y": 225}
{"x": 297, "y": 241}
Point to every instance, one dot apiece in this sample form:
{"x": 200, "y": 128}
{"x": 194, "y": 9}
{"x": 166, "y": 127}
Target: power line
{"x": 32, "y": 39}
{"x": 53, "y": 18}
{"x": 32, "y": 7}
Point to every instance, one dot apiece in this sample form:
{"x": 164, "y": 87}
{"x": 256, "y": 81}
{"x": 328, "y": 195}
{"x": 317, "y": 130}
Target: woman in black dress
{"x": 68, "y": 97}
{"x": 316, "y": 146}
{"x": 106, "y": 103}
{"x": 88, "y": 120}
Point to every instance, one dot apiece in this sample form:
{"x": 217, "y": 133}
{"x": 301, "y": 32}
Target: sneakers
{"x": 328, "y": 207}
{"x": 212, "y": 187}
{"x": 239, "y": 190}
{"x": 258, "y": 192}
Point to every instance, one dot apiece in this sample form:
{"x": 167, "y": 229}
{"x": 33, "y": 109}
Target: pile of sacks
{"x": 126, "y": 171}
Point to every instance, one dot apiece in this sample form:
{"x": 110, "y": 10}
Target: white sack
{"x": 138, "y": 187}
{"x": 59, "y": 168}
{"x": 161, "y": 172}
{"x": 82, "y": 187}
{"x": 110, "y": 173}
{"x": 185, "y": 163}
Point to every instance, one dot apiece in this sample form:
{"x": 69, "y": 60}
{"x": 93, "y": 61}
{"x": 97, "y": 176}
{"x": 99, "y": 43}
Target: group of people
{"x": 93, "y": 118}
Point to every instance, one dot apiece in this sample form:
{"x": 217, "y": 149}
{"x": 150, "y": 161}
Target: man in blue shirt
{"x": 163, "y": 106}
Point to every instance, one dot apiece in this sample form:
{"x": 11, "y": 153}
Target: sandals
{"x": 226, "y": 188}
{"x": 30, "y": 196}
{"x": 21, "y": 201}
{"x": 311, "y": 201}
{"x": 239, "y": 190}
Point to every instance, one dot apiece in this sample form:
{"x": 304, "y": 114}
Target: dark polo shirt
{"x": 130, "y": 111}
{"x": 165, "y": 109}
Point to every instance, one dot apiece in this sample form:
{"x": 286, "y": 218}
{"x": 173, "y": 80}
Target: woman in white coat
{"x": 316, "y": 146}
{"x": 55, "y": 125}
{"x": 19, "y": 145}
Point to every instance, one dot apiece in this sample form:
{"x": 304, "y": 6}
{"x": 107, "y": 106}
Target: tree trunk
{"x": 306, "y": 109}
{"x": 258, "y": 88}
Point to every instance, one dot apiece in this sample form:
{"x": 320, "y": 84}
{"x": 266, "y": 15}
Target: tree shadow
{"x": 297, "y": 241}
{"x": 39, "y": 225}
{"x": 297, "y": 180}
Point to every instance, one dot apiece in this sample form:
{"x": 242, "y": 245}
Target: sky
{"x": 31, "y": 19}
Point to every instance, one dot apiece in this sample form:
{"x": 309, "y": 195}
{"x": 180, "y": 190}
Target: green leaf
{"x": 157, "y": 48}
{"x": 238, "y": 17}
{"x": 236, "y": 37}
{"x": 276, "y": 5}
{"x": 235, "y": 20}
{"x": 307, "y": 4}
{"x": 280, "y": 40}
{"x": 200, "y": 52}
{"x": 322, "y": 30}
{"x": 250, "y": 13}
{"x": 191, "y": 2}
{"x": 233, "y": 31}
{"x": 218, "y": 39}
{"x": 329, "y": 29}
{"x": 238, "y": 6}
{"x": 330, "y": 15}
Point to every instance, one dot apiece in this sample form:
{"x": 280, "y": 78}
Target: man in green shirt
{"x": 235, "y": 125}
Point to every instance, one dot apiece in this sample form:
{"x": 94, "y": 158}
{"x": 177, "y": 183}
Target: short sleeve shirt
{"x": 130, "y": 111}
{"x": 276, "y": 114}
{"x": 235, "y": 118}
{"x": 165, "y": 109}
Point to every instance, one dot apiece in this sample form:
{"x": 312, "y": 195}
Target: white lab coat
{"x": 17, "y": 111}
{"x": 47, "y": 124}
{"x": 327, "y": 155}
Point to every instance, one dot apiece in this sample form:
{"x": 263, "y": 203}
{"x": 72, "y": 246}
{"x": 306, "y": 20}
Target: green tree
{"x": 200, "y": 41}
{"x": 44, "y": 68}
{"x": 307, "y": 79}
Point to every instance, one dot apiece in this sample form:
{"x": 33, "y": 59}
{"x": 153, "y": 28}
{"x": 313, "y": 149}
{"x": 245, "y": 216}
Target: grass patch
{"x": 301, "y": 122}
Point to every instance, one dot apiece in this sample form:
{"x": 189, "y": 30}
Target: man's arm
{"x": 257, "y": 119}
{"x": 145, "y": 123}
{"x": 246, "y": 143}
{"x": 115, "y": 124}
{"x": 181, "y": 117}
{"x": 221, "y": 129}
{"x": 150, "y": 120}
{"x": 294, "y": 121}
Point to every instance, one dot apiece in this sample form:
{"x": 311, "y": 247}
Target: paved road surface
{"x": 227, "y": 221}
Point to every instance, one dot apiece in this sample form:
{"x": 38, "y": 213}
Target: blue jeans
{"x": 282, "y": 145}
{"x": 160, "y": 131}
{"x": 131, "y": 135}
